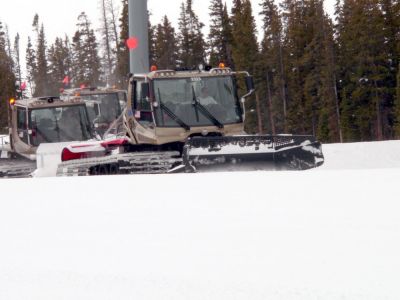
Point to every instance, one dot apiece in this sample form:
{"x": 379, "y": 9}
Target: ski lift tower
{"x": 138, "y": 42}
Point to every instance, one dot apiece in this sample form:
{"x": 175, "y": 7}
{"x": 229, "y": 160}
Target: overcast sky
{"x": 60, "y": 17}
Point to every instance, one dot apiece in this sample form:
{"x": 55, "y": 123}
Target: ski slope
{"x": 329, "y": 233}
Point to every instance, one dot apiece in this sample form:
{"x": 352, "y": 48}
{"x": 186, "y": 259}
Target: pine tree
{"x": 123, "y": 52}
{"x": 365, "y": 61}
{"x": 59, "y": 63}
{"x": 310, "y": 73}
{"x": 41, "y": 79}
{"x": 245, "y": 46}
{"x": 397, "y": 106}
{"x": 298, "y": 35}
{"x": 7, "y": 81}
{"x": 190, "y": 38}
{"x": 220, "y": 38}
{"x": 272, "y": 71}
{"x": 86, "y": 61}
{"x": 8, "y": 46}
{"x": 31, "y": 67}
{"x": 17, "y": 66}
{"x": 152, "y": 43}
{"x": 36, "y": 61}
{"x": 165, "y": 45}
{"x": 245, "y": 51}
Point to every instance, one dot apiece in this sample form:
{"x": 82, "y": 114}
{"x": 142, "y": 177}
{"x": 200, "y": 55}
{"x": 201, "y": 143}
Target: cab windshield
{"x": 59, "y": 124}
{"x": 196, "y": 101}
{"x": 103, "y": 108}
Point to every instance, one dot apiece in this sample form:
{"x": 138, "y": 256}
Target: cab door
{"x": 142, "y": 107}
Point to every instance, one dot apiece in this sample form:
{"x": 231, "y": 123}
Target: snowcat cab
{"x": 47, "y": 120}
{"x": 189, "y": 121}
{"x": 104, "y": 105}
{"x": 37, "y": 121}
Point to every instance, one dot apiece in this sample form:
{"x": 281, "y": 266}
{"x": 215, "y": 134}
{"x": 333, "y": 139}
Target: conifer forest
{"x": 333, "y": 76}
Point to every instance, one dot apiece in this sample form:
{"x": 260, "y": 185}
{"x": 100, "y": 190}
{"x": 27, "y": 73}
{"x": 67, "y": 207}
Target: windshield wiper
{"x": 171, "y": 114}
{"x": 205, "y": 111}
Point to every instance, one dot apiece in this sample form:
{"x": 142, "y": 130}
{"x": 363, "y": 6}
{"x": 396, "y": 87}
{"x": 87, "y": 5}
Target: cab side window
{"x": 143, "y": 106}
{"x": 22, "y": 125}
{"x": 142, "y": 103}
{"x": 21, "y": 119}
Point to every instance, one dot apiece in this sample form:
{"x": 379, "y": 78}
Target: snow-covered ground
{"x": 374, "y": 155}
{"x": 329, "y": 233}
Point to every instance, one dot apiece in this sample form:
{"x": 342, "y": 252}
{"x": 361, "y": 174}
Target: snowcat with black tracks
{"x": 188, "y": 121}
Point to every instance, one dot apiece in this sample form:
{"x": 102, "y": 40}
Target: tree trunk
{"x": 259, "y": 118}
{"x": 271, "y": 115}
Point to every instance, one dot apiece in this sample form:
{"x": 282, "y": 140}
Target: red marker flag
{"x": 66, "y": 80}
{"x": 132, "y": 43}
{"x": 23, "y": 86}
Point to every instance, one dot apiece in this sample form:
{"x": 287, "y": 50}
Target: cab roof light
{"x": 153, "y": 68}
{"x": 221, "y": 71}
{"x": 164, "y": 73}
{"x": 12, "y": 101}
{"x": 49, "y": 99}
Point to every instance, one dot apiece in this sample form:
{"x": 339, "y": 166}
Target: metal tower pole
{"x": 138, "y": 29}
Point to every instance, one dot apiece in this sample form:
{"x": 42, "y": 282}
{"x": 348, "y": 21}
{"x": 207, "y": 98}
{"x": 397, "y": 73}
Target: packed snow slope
{"x": 331, "y": 233}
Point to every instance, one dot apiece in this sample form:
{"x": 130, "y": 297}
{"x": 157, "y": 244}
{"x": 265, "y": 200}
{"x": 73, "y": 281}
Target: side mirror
{"x": 249, "y": 83}
{"x": 145, "y": 90}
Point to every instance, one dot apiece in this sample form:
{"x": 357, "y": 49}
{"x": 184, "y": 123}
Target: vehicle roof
{"x": 160, "y": 74}
{"x": 43, "y": 102}
{"x": 91, "y": 91}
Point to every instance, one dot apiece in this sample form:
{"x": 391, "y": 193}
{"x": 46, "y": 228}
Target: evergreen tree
{"x": 310, "y": 75}
{"x": 17, "y": 66}
{"x": 220, "y": 38}
{"x": 298, "y": 35}
{"x": 7, "y": 81}
{"x": 31, "y": 68}
{"x": 190, "y": 38}
{"x": 59, "y": 63}
{"x": 245, "y": 51}
{"x": 41, "y": 79}
{"x": 364, "y": 53}
{"x": 86, "y": 61}
{"x": 36, "y": 61}
{"x": 397, "y": 106}
{"x": 272, "y": 71}
{"x": 123, "y": 52}
{"x": 152, "y": 43}
{"x": 165, "y": 45}
{"x": 8, "y": 46}
{"x": 245, "y": 46}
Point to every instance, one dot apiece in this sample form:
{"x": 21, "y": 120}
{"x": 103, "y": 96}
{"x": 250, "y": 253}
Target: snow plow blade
{"x": 252, "y": 153}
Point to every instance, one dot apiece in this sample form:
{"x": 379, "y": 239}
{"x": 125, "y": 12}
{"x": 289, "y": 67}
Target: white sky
{"x": 60, "y": 17}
